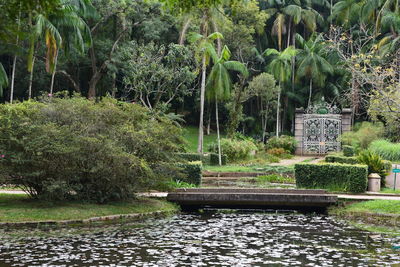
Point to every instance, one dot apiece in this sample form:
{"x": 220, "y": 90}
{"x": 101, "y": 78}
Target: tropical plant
{"x": 204, "y": 51}
{"x": 387, "y": 150}
{"x": 280, "y": 68}
{"x": 219, "y": 82}
{"x": 374, "y": 162}
{"x": 3, "y": 79}
{"x": 311, "y": 62}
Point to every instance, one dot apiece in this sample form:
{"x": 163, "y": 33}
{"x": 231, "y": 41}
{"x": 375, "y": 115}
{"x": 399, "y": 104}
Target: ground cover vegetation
{"x": 20, "y": 208}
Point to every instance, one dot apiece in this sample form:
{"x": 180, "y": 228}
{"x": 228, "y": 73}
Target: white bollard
{"x": 374, "y": 182}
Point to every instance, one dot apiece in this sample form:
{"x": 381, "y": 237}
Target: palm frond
{"x": 3, "y": 79}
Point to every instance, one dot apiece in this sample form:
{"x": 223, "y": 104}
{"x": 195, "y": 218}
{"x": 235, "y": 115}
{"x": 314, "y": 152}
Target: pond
{"x": 209, "y": 239}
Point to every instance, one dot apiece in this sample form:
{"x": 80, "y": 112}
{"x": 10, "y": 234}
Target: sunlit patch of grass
{"x": 19, "y": 208}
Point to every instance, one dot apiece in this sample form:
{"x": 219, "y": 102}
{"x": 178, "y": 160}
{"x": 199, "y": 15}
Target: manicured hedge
{"x": 338, "y": 158}
{"x": 192, "y": 172}
{"x": 190, "y": 156}
{"x": 343, "y": 177}
{"x": 348, "y": 151}
{"x": 215, "y": 161}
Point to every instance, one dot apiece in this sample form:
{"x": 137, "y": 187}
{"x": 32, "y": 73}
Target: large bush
{"x": 285, "y": 142}
{"x": 362, "y": 135}
{"x": 387, "y": 150}
{"x": 340, "y": 177}
{"x": 74, "y": 148}
{"x": 234, "y": 149}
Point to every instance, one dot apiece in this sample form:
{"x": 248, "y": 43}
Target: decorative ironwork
{"x": 322, "y": 107}
{"x": 321, "y": 133}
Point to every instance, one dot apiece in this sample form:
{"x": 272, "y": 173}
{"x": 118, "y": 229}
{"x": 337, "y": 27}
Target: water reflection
{"x": 209, "y": 239}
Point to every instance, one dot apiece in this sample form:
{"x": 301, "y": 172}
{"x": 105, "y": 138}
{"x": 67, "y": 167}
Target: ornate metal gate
{"x": 322, "y": 129}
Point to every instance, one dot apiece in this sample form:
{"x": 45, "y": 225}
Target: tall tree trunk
{"x": 218, "y": 136}
{"x": 277, "y": 110}
{"x": 202, "y": 96}
{"x": 309, "y": 97}
{"x": 265, "y": 122}
{"x": 53, "y": 75}
{"x": 31, "y": 79}
{"x": 13, "y": 79}
{"x": 209, "y": 121}
{"x": 182, "y": 34}
{"x": 203, "y": 85}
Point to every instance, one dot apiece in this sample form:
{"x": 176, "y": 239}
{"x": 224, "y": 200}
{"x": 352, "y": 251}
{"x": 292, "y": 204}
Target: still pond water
{"x": 209, "y": 239}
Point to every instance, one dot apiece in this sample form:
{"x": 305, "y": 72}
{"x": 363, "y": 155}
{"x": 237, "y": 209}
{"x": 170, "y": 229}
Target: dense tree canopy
{"x": 142, "y": 51}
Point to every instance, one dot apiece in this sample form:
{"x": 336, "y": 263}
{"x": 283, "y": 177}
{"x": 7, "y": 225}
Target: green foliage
{"x": 277, "y": 151}
{"x": 157, "y": 73}
{"x": 275, "y": 178}
{"x": 74, "y": 148}
{"x": 348, "y": 151}
{"x": 342, "y": 177}
{"x": 387, "y": 150}
{"x": 234, "y": 149}
{"x": 339, "y": 158}
{"x": 192, "y": 172}
{"x": 180, "y": 184}
{"x": 3, "y": 79}
{"x": 214, "y": 160}
{"x": 190, "y": 156}
{"x": 288, "y": 143}
{"x": 374, "y": 162}
{"x": 362, "y": 135}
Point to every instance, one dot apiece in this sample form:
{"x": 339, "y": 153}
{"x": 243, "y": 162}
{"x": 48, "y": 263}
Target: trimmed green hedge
{"x": 215, "y": 161}
{"x": 337, "y": 158}
{"x": 192, "y": 172}
{"x": 190, "y": 156}
{"x": 348, "y": 151}
{"x": 340, "y": 177}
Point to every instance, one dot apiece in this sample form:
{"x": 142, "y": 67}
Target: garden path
{"x": 298, "y": 159}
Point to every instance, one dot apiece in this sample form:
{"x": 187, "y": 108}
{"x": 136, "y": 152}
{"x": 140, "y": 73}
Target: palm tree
{"x": 219, "y": 83}
{"x": 346, "y": 12}
{"x": 3, "y": 79}
{"x": 312, "y": 63}
{"x": 280, "y": 68}
{"x": 204, "y": 50}
{"x": 65, "y": 29}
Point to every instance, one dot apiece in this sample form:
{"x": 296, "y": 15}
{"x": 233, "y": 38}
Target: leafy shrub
{"x": 288, "y": 143}
{"x": 275, "y": 178}
{"x": 343, "y": 177}
{"x": 180, "y": 184}
{"x": 276, "y": 151}
{"x": 192, "y": 172}
{"x": 234, "y": 149}
{"x": 214, "y": 159}
{"x": 375, "y": 164}
{"x": 348, "y": 151}
{"x": 190, "y": 156}
{"x": 387, "y": 150}
{"x": 74, "y": 148}
{"x": 362, "y": 135}
{"x": 339, "y": 158}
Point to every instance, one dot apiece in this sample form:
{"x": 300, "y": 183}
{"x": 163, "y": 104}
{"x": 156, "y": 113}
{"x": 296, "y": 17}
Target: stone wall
{"x": 298, "y": 130}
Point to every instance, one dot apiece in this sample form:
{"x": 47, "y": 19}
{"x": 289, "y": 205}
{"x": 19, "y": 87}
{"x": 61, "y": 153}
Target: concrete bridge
{"x": 287, "y": 199}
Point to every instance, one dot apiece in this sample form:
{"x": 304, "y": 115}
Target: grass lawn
{"x": 191, "y": 134}
{"x": 374, "y": 206}
{"x": 390, "y": 190}
{"x": 19, "y": 208}
{"x": 251, "y": 168}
